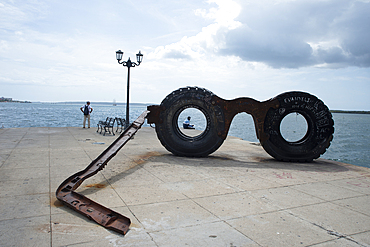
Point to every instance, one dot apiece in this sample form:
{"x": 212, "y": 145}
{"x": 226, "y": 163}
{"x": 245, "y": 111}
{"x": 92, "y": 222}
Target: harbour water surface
{"x": 350, "y": 143}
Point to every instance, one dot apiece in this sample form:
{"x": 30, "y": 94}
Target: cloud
{"x": 293, "y": 34}
{"x": 176, "y": 54}
{"x": 274, "y": 49}
{"x": 227, "y": 46}
{"x": 12, "y": 15}
{"x": 282, "y": 33}
{"x": 211, "y": 37}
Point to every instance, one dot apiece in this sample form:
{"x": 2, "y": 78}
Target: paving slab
{"x": 334, "y": 218}
{"x": 280, "y": 228}
{"x": 238, "y": 196}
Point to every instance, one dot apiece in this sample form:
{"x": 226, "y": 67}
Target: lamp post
{"x": 128, "y": 64}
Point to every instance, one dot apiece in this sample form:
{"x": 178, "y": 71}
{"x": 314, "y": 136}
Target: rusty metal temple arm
{"x": 83, "y": 205}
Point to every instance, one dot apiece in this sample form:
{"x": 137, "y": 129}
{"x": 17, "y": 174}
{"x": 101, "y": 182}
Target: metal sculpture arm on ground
{"x": 83, "y": 205}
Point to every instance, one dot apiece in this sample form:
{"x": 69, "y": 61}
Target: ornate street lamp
{"x": 128, "y": 64}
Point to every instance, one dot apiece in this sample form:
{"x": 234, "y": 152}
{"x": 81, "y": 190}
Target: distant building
{"x": 2, "y": 99}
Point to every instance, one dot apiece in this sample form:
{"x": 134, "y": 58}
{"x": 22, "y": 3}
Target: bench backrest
{"x": 120, "y": 121}
{"x": 111, "y": 122}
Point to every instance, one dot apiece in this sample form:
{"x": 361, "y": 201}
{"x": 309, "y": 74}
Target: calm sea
{"x": 350, "y": 143}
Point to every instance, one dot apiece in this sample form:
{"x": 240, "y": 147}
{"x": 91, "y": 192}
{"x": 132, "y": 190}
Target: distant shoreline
{"x": 14, "y": 101}
{"x": 353, "y": 112}
{"x": 98, "y": 103}
{"x": 78, "y": 103}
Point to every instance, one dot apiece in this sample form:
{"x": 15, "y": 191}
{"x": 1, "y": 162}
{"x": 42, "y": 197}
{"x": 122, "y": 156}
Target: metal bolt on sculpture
{"x": 219, "y": 113}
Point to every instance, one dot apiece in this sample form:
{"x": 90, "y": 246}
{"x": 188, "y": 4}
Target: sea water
{"x": 350, "y": 143}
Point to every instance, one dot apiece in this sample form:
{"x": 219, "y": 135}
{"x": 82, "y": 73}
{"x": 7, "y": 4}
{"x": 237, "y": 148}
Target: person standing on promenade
{"x": 86, "y": 110}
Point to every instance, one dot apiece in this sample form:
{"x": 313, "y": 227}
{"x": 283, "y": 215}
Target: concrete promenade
{"x": 239, "y": 196}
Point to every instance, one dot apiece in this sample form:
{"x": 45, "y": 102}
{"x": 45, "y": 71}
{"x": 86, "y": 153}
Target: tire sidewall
{"x": 319, "y": 127}
{"x": 170, "y": 135}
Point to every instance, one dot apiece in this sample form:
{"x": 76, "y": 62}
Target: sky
{"x": 57, "y": 51}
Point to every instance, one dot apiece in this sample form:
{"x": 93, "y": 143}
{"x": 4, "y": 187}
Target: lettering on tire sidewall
{"x": 317, "y": 115}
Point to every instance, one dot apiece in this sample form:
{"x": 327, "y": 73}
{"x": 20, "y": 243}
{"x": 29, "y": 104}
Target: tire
{"x": 320, "y": 128}
{"x": 169, "y": 133}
